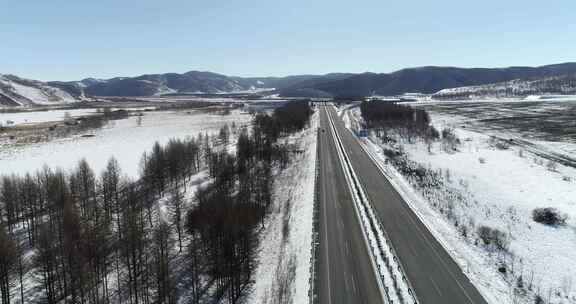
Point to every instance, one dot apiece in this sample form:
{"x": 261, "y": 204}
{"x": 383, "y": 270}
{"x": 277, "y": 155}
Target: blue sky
{"x": 73, "y": 39}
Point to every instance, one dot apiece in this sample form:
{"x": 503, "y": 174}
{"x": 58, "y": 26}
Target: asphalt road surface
{"x": 434, "y": 275}
{"x": 345, "y": 273}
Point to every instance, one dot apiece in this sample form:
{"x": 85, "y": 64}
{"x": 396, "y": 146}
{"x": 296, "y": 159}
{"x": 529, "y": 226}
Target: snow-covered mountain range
{"x": 16, "y": 91}
{"x": 441, "y": 82}
{"x": 160, "y": 84}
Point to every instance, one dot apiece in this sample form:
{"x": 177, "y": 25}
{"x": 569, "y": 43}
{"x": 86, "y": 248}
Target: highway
{"x": 345, "y": 273}
{"x": 432, "y": 272}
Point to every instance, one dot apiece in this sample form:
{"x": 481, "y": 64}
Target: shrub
{"x": 552, "y": 166}
{"x": 390, "y": 153}
{"x": 450, "y": 141}
{"x": 498, "y": 143}
{"x": 502, "y": 145}
{"x": 549, "y": 216}
{"x": 538, "y": 300}
{"x": 494, "y": 237}
{"x": 463, "y": 231}
{"x": 433, "y": 133}
{"x": 520, "y": 283}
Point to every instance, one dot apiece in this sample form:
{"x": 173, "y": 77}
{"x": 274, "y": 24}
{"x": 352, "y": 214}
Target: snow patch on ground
{"x": 32, "y": 117}
{"x": 284, "y": 252}
{"x": 124, "y": 139}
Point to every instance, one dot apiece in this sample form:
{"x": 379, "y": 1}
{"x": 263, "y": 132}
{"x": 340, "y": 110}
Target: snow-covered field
{"x": 124, "y": 139}
{"x": 484, "y": 185}
{"x": 283, "y": 271}
{"x": 552, "y": 97}
{"x": 549, "y": 120}
{"x": 563, "y": 145}
{"x": 30, "y": 117}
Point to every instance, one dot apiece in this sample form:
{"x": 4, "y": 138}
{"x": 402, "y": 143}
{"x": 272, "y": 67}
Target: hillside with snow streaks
{"x": 16, "y": 91}
{"x": 558, "y": 85}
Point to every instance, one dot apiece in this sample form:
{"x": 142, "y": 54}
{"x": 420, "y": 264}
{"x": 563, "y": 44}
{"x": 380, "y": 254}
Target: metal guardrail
{"x": 400, "y": 266}
{"x": 359, "y": 206}
{"x": 314, "y": 260}
{"x": 373, "y": 222}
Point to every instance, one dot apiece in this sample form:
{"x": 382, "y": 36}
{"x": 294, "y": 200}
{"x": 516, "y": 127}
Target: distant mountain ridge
{"x": 168, "y": 83}
{"x": 185, "y": 83}
{"x": 155, "y": 84}
{"x": 16, "y": 91}
{"x": 427, "y": 80}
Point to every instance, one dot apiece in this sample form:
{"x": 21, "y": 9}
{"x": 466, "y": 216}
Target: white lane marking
{"x": 346, "y": 282}
{"x": 435, "y": 286}
{"x": 354, "y": 285}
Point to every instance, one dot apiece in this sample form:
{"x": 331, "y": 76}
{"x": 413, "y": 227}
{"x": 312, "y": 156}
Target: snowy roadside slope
{"x": 284, "y": 251}
{"x": 15, "y": 91}
{"x": 470, "y": 259}
{"x": 505, "y": 186}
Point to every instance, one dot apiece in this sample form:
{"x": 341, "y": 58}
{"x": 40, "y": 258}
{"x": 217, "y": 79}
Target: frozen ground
{"x": 483, "y": 185}
{"x": 552, "y": 121}
{"x": 124, "y": 139}
{"x": 29, "y": 117}
{"x": 283, "y": 271}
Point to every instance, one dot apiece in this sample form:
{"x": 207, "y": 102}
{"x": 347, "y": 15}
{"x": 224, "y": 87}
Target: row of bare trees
{"x": 224, "y": 225}
{"x": 84, "y": 231}
{"x": 408, "y": 122}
